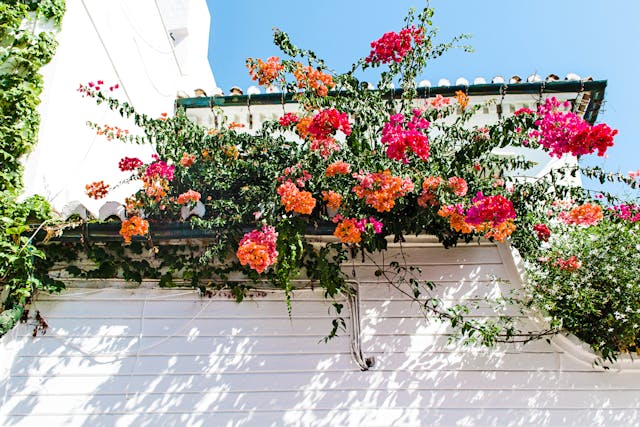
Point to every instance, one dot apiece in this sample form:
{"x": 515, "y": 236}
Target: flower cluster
{"x": 491, "y": 215}
{"x": 160, "y": 169}
{"x": 327, "y": 122}
{"x": 231, "y": 151}
{"x": 429, "y": 197}
{"x": 111, "y": 132}
{"x": 570, "y": 264}
{"x": 462, "y": 98}
{"x": 258, "y": 248}
{"x": 347, "y": 231}
{"x": 302, "y": 126}
{"x": 264, "y": 72}
{"x": 333, "y": 199}
{"x": 350, "y": 230}
{"x": 155, "y": 187}
{"x": 381, "y": 189}
{"x": 542, "y": 232}
{"x": 338, "y": 168}
{"x": 458, "y": 186}
{"x": 321, "y": 130}
{"x": 295, "y": 173}
{"x": 295, "y": 200}
{"x": 189, "y": 196}
{"x": 310, "y": 78}
{"x": 187, "y": 160}
{"x": 587, "y": 214}
{"x": 392, "y": 46}
{"x": 456, "y": 216}
{"x": 97, "y": 86}
{"x": 235, "y": 125}
{"x": 438, "y": 102}
{"x": 128, "y": 164}
{"x": 523, "y": 111}
{"x": 134, "y": 226}
{"x": 626, "y": 211}
{"x": 493, "y": 210}
{"x": 565, "y": 132}
{"x": 289, "y": 119}
{"x": 97, "y": 190}
{"x": 132, "y": 204}
{"x": 400, "y": 137}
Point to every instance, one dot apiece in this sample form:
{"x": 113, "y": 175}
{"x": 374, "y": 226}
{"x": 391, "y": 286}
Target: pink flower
{"x": 490, "y": 209}
{"x": 326, "y": 122}
{"x": 401, "y": 138}
{"x": 127, "y": 164}
{"x": 522, "y": 111}
{"x": 570, "y": 264}
{"x": 458, "y": 186}
{"x": 288, "y": 119}
{"x": 439, "y": 101}
{"x": 160, "y": 169}
{"x": 542, "y": 231}
{"x": 564, "y": 132}
{"x": 392, "y": 47}
{"x": 626, "y": 212}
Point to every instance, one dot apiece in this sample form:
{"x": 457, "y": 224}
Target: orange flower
{"x": 155, "y": 186}
{"x": 347, "y": 231}
{"x": 295, "y": 200}
{"x": 264, "y": 72}
{"x": 231, "y": 151}
{"x": 189, "y": 196}
{"x": 380, "y": 190}
{"x": 431, "y": 183}
{"x": 338, "y": 168}
{"x": 456, "y": 217}
{"x": 458, "y": 186}
{"x": 462, "y": 98}
{"x": 313, "y": 79}
{"x": 499, "y": 232}
{"x": 235, "y": 125}
{"x": 258, "y": 248}
{"x": 303, "y": 125}
{"x": 187, "y": 160}
{"x": 255, "y": 255}
{"x": 333, "y": 199}
{"x": 587, "y": 214}
{"x": 134, "y": 226}
{"x": 97, "y": 190}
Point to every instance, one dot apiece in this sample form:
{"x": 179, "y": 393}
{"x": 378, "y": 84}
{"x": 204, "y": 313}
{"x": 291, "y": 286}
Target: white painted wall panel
{"x": 154, "y": 357}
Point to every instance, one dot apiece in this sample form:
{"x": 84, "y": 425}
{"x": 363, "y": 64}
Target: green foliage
{"x": 600, "y": 301}
{"x": 23, "y": 267}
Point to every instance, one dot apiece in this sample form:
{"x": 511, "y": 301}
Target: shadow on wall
{"x": 116, "y": 357}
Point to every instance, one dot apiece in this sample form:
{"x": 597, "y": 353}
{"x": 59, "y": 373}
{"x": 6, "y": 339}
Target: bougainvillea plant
{"x": 372, "y": 169}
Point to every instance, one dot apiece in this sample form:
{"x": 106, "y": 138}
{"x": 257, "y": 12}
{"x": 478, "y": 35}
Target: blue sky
{"x": 587, "y": 37}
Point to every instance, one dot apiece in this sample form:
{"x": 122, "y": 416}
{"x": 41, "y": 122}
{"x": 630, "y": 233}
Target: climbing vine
{"x": 22, "y": 53}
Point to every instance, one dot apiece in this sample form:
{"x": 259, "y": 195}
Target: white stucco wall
{"x": 154, "y": 357}
{"x": 124, "y": 42}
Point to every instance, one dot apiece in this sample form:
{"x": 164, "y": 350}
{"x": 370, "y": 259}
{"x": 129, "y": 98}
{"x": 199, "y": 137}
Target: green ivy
{"x": 22, "y": 54}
